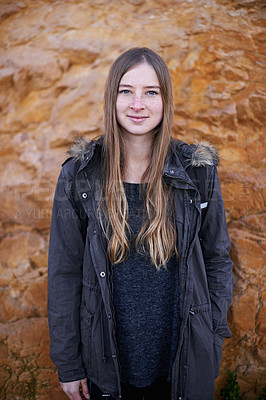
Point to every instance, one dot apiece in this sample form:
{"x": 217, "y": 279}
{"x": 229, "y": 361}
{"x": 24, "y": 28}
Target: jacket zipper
{"x": 180, "y": 375}
{"x": 110, "y": 284}
{"x": 111, "y": 303}
{"x": 182, "y": 383}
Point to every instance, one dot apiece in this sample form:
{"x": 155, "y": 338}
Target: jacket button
{"x": 114, "y": 355}
{"x": 109, "y": 316}
{"x": 172, "y": 171}
{"x": 84, "y": 195}
{"x": 190, "y": 201}
{"x": 102, "y": 274}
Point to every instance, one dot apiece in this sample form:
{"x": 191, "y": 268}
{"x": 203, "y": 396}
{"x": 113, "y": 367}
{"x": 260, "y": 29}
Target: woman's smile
{"x": 137, "y": 119}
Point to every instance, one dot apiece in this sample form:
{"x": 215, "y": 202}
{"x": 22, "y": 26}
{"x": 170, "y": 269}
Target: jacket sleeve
{"x": 216, "y": 247}
{"x": 65, "y": 261}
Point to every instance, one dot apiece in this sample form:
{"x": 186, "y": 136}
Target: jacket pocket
{"x": 217, "y": 353}
{"x": 97, "y": 356}
{"x": 86, "y": 321}
{"x": 200, "y": 377}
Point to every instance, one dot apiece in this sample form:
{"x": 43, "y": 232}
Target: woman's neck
{"x": 137, "y": 157}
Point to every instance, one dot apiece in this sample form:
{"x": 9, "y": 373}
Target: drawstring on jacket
{"x": 104, "y": 358}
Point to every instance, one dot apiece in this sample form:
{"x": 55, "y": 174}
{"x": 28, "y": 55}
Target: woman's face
{"x": 139, "y": 104}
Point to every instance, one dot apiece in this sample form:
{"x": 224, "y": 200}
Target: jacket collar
{"x": 179, "y": 158}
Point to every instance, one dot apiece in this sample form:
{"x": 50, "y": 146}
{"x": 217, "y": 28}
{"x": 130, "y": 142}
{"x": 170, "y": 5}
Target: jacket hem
{"x": 71, "y": 376}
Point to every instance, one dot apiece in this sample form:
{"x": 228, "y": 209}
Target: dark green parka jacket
{"x": 80, "y": 309}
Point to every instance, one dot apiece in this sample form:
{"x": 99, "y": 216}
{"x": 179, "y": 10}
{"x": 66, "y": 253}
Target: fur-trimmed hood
{"x": 198, "y": 155}
{"x": 204, "y": 154}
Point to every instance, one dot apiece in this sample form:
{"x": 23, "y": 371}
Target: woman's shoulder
{"x": 81, "y": 151}
{"x": 200, "y": 154}
{"x": 82, "y": 148}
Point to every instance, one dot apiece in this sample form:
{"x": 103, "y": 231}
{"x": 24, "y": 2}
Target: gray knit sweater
{"x": 146, "y": 305}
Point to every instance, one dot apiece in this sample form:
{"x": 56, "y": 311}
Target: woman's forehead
{"x": 143, "y": 74}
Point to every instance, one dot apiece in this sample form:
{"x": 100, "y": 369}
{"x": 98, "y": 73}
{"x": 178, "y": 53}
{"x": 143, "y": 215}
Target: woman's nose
{"x": 137, "y": 103}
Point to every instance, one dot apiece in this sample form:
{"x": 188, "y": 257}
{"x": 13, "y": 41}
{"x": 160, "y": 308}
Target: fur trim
{"x": 204, "y": 154}
{"x": 80, "y": 148}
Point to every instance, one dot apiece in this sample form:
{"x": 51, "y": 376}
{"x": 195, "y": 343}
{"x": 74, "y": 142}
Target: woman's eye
{"x": 152, "y": 92}
{"x": 124, "y": 91}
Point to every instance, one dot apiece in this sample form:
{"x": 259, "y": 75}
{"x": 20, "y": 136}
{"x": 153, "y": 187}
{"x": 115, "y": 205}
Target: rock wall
{"x": 54, "y": 59}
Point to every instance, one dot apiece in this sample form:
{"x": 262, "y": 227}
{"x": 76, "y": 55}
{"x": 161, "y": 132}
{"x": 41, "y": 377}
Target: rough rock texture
{"x": 54, "y": 60}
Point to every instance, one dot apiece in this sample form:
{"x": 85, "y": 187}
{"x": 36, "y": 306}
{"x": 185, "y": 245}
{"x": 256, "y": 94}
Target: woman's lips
{"x": 137, "y": 119}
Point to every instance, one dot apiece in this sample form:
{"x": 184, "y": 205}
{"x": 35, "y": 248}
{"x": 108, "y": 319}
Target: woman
{"x": 140, "y": 277}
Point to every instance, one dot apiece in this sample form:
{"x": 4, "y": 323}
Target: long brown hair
{"x": 158, "y": 234}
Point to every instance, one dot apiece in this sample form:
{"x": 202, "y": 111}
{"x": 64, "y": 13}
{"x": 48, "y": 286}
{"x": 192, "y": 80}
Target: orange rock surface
{"x": 54, "y": 60}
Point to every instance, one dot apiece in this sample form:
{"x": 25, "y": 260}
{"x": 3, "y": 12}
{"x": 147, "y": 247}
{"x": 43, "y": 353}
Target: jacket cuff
{"x": 72, "y": 375}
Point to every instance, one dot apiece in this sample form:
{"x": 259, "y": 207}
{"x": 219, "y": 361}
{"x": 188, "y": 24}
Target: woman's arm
{"x": 65, "y": 261}
{"x": 216, "y": 247}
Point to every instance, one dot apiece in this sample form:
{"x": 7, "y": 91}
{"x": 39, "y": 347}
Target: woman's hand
{"x": 71, "y": 389}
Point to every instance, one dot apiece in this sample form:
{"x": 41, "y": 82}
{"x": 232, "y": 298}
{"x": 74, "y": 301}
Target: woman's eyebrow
{"x": 147, "y": 87}
{"x": 152, "y": 87}
{"x": 124, "y": 84}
